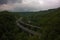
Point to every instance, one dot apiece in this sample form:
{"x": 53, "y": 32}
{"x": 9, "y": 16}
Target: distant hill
{"x": 43, "y": 17}
{"x": 32, "y": 13}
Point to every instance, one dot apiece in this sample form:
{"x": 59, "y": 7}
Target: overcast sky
{"x": 28, "y": 5}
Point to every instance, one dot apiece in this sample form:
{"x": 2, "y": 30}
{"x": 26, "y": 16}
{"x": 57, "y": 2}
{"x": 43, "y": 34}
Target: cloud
{"x": 29, "y": 5}
{"x": 3, "y": 2}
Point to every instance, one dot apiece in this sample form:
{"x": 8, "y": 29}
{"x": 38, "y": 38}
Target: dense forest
{"x": 48, "y": 21}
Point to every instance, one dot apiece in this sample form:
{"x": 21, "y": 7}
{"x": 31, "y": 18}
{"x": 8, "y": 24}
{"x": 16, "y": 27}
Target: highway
{"x": 23, "y": 25}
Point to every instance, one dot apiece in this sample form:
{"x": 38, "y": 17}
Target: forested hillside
{"x": 8, "y": 28}
{"x": 48, "y": 20}
{"x": 49, "y": 23}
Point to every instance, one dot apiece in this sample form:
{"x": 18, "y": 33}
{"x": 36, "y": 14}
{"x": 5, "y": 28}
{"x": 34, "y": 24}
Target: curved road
{"x": 19, "y": 22}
